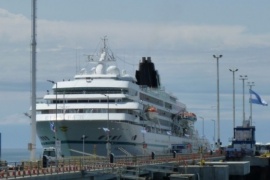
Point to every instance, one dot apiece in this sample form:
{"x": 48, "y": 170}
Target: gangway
{"x": 125, "y": 151}
{"x": 84, "y": 153}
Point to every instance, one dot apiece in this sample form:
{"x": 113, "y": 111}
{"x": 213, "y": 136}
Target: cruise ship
{"x": 105, "y": 110}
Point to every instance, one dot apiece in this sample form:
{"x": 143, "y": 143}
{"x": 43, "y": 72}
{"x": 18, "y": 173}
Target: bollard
{"x": 153, "y": 155}
{"x": 174, "y": 154}
{"x": 111, "y": 158}
{"x": 44, "y": 162}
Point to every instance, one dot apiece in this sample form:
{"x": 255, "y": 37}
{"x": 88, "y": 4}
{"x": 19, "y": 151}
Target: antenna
{"x": 76, "y": 62}
{"x": 104, "y": 39}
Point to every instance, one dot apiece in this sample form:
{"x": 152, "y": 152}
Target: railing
{"x": 77, "y": 164}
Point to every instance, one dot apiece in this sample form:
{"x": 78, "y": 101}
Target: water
{"x": 18, "y": 155}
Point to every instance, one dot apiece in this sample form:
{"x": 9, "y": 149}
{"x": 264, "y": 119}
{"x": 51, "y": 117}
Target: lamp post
{"x": 243, "y": 78}
{"x": 250, "y": 84}
{"x": 233, "y": 71}
{"x": 32, "y": 146}
{"x": 83, "y": 139}
{"x": 214, "y": 130}
{"x": 202, "y": 126}
{"x": 55, "y": 129}
{"x": 107, "y": 131}
{"x": 218, "y": 120}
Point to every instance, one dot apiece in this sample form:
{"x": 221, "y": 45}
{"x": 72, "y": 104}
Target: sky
{"x": 181, "y": 37}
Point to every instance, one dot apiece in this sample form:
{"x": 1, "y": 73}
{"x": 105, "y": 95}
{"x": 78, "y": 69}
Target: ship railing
{"x": 156, "y": 92}
{"x": 92, "y": 92}
{"x": 40, "y": 100}
{"x": 117, "y": 117}
{"x": 162, "y": 94}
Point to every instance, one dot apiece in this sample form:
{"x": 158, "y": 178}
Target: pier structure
{"x": 174, "y": 167}
{"x": 135, "y": 167}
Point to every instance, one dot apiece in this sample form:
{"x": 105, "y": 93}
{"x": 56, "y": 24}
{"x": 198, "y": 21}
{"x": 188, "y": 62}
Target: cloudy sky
{"x": 180, "y": 36}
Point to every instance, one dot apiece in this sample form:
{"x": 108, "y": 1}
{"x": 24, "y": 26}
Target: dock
{"x": 177, "y": 167}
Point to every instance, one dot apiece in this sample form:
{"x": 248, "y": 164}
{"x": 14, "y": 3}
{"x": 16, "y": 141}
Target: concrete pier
{"x": 257, "y": 161}
{"x": 239, "y": 168}
{"x": 183, "y": 177}
{"x": 216, "y": 172}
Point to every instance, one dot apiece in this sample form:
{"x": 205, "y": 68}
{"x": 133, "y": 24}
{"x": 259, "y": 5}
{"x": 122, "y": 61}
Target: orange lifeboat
{"x": 151, "y": 112}
{"x": 151, "y": 109}
{"x": 188, "y": 116}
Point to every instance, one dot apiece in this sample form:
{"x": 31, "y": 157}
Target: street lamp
{"x": 55, "y": 129}
{"x": 32, "y": 145}
{"x": 214, "y": 130}
{"x": 108, "y": 145}
{"x": 250, "y": 84}
{"x": 218, "y": 120}
{"x": 202, "y": 126}
{"x": 233, "y": 71}
{"x": 83, "y": 139}
{"x": 243, "y": 78}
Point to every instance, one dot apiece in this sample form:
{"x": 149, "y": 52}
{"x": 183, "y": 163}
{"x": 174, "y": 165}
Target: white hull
{"x": 122, "y": 136}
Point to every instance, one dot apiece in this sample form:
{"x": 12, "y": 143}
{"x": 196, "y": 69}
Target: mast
{"x": 33, "y": 111}
{"x": 104, "y": 43}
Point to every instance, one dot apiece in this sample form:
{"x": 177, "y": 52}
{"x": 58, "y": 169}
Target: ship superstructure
{"x": 106, "y": 110}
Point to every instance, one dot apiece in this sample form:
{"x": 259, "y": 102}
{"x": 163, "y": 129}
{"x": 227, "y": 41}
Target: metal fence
{"x": 109, "y": 164}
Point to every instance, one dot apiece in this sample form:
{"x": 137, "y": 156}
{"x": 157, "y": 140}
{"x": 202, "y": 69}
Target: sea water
{"x": 18, "y": 155}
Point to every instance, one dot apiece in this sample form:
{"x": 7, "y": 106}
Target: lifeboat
{"x": 152, "y": 109}
{"x": 151, "y": 113}
{"x": 188, "y": 116}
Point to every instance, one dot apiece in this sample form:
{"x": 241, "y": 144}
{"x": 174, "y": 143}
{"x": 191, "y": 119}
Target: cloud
{"x": 58, "y": 42}
{"x": 156, "y": 36}
{"x": 62, "y": 45}
{"x": 181, "y": 51}
{"x": 55, "y": 34}
{"x": 14, "y": 27}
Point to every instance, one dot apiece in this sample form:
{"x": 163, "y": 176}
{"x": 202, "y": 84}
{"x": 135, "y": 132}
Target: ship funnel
{"x": 147, "y": 75}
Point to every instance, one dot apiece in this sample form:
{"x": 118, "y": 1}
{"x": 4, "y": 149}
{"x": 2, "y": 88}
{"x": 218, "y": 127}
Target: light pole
{"x": 55, "y": 129}
{"x": 202, "y": 126}
{"x": 108, "y": 145}
{"x": 233, "y": 71}
{"x": 218, "y": 120}
{"x": 32, "y": 146}
{"x": 83, "y": 139}
{"x": 214, "y": 130}
{"x": 250, "y": 84}
{"x": 243, "y": 78}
